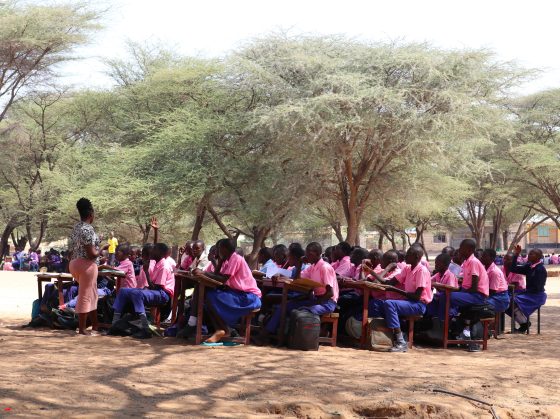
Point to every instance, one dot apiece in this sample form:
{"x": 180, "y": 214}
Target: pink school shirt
{"x": 161, "y": 275}
{"x": 387, "y": 295}
{"x": 186, "y": 261}
{"x": 170, "y": 263}
{"x": 401, "y": 265}
{"x": 240, "y": 275}
{"x": 344, "y": 267}
{"x": 472, "y": 266}
{"x": 496, "y": 279}
{"x": 448, "y": 278}
{"x": 323, "y": 273}
{"x": 414, "y": 278}
{"x": 518, "y": 280}
{"x": 142, "y": 281}
{"x": 129, "y": 281}
{"x": 554, "y": 259}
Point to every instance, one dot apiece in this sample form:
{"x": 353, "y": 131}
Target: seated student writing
{"x": 146, "y": 259}
{"x": 264, "y": 259}
{"x": 280, "y": 256}
{"x": 499, "y": 297}
{"x": 418, "y": 292}
{"x": 442, "y": 275}
{"x": 517, "y": 280}
{"x": 322, "y": 300}
{"x": 239, "y": 297}
{"x": 122, "y": 255}
{"x": 528, "y": 301}
{"x": 474, "y": 288}
{"x": 161, "y": 285}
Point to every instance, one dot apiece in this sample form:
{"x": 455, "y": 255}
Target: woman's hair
{"x": 84, "y": 208}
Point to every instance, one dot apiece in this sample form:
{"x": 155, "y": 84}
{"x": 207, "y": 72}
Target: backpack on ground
{"x": 304, "y": 330}
{"x": 380, "y": 336}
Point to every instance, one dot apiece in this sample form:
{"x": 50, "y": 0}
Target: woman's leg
{"x": 82, "y": 323}
{"x": 93, "y": 319}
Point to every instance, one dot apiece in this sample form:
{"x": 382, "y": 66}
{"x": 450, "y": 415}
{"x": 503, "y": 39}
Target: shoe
{"x": 399, "y": 347}
{"x": 462, "y": 336}
{"x": 473, "y": 347}
{"x": 142, "y": 334}
{"x": 186, "y": 332}
{"x": 523, "y": 327}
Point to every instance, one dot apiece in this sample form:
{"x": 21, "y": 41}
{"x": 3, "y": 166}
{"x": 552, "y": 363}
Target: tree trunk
{"x": 8, "y": 230}
{"x": 199, "y": 219}
{"x": 521, "y": 232}
{"x": 337, "y": 228}
{"x": 505, "y": 244}
{"x": 259, "y": 237}
{"x": 220, "y": 223}
{"x": 380, "y": 241}
{"x": 353, "y": 233}
{"x": 496, "y": 226}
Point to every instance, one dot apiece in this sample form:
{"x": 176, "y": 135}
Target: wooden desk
{"x": 447, "y": 289}
{"x": 63, "y": 278}
{"x": 301, "y": 285}
{"x": 44, "y": 277}
{"x": 201, "y": 285}
{"x": 512, "y": 305}
{"x": 183, "y": 281}
{"x": 366, "y": 287}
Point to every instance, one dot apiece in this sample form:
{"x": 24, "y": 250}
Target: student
{"x": 389, "y": 259}
{"x": 264, "y": 259}
{"x": 442, "y": 275}
{"x": 323, "y": 300}
{"x": 200, "y": 258}
{"x": 161, "y": 285}
{"x": 341, "y": 255}
{"x": 450, "y": 250}
{"x": 512, "y": 278}
{"x": 418, "y": 288}
{"x": 478, "y": 253}
{"x": 186, "y": 257}
{"x": 528, "y": 301}
{"x": 401, "y": 257}
{"x": 350, "y": 299}
{"x": 455, "y": 265}
{"x": 474, "y": 288}
{"x": 113, "y": 243}
{"x": 33, "y": 261}
{"x": 136, "y": 259}
{"x": 327, "y": 255}
{"x": 146, "y": 259}
{"x": 122, "y": 254}
{"x": 497, "y": 284}
{"x": 554, "y": 259}
{"x": 240, "y": 297}
{"x": 374, "y": 258}
{"x": 280, "y": 255}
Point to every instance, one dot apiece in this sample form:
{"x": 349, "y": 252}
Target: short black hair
{"x": 490, "y": 252}
{"x": 391, "y": 256}
{"x": 162, "y": 247}
{"x": 85, "y": 208}
{"x": 445, "y": 258}
{"x": 280, "y": 248}
{"x": 315, "y": 247}
{"x": 401, "y": 255}
{"x": 345, "y": 248}
{"x": 296, "y": 251}
{"x": 125, "y": 248}
{"x": 266, "y": 252}
{"x": 469, "y": 244}
{"x": 449, "y": 250}
{"x": 416, "y": 250}
{"x": 228, "y": 244}
{"x": 375, "y": 254}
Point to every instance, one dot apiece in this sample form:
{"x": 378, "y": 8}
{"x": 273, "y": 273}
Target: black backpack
{"x": 304, "y": 330}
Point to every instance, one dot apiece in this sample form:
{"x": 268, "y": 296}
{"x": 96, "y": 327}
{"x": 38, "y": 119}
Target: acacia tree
{"x": 371, "y": 110}
{"x": 33, "y": 39}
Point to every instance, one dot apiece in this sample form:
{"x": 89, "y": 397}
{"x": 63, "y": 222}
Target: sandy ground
{"x": 54, "y": 373}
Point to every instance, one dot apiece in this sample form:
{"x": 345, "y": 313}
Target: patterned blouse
{"x": 82, "y": 235}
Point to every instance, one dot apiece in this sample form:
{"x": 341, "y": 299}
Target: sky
{"x": 520, "y": 31}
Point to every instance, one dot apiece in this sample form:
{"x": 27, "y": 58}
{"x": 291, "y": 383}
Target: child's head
{"x": 358, "y": 255}
{"x": 390, "y": 256}
{"x": 198, "y": 248}
{"x": 508, "y": 259}
{"x": 213, "y": 253}
{"x": 295, "y": 253}
{"x": 449, "y": 250}
{"x": 535, "y": 256}
{"x": 188, "y": 248}
{"x": 279, "y": 254}
{"x": 488, "y": 257}
{"x": 122, "y": 252}
{"x": 478, "y": 253}
{"x": 265, "y": 254}
{"x": 225, "y": 248}
{"x": 414, "y": 255}
{"x": 313, "y": 252}
{"x": 329, "y": 254}
{"x": 442, "y": 262}
{"x": 375, "y": 256}
{"x": 466, "y": 249}
{"x": 147, "y": 252}
{"x": 159, "y": 251}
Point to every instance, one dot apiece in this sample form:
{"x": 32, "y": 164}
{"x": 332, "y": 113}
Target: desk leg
{"x": 175, "y": 300}
{"x": 446, "y": 319}
{"x": 513, "y": 312}
{"x": 283, "y": 315}
{"x": 39, "y": 288}
{"x": 365, "y": 314}
{"x": 59, "y": 285}
{"x": 200, "y": 311}
{"x": 181, "y": 307}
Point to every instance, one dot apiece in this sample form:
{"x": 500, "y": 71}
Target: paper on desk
{"x": 275, "y": 270}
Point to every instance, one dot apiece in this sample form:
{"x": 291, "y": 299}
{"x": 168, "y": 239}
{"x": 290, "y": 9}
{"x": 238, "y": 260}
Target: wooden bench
{"x": 329, "y": 319}
{"x": 245, "y": 329}
{"x": 484, "y": 341}
{"x": 538, "y": 322}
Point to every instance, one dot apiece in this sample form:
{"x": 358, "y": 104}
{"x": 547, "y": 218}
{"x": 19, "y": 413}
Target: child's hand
{"x": 154, "y": 223}
{"x": 391, "y": 266}
{"x": 517, "y": 250}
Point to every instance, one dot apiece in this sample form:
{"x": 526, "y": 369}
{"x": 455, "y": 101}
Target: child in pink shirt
{"x": 512, "y": 278}
{"x": 240, "y": 297}
{"x": 125, "y": 265}
{"x": 497, "y": 284}
{"x": 442, "y": 276}
{"x": 141, "y": 280}
{"x": 323, "y": 300}
{"x": 417, "y": 289}
{"x": 343, "y": 265}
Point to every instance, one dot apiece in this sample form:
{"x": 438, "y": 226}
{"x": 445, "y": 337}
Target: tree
{"x": 33, "y": 39}
{"x": 369, "y": 111}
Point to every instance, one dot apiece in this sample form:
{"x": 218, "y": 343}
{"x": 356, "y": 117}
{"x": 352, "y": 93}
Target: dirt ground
{"x": 55, "y": 373}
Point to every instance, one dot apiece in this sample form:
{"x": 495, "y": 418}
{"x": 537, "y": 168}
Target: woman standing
{"x": 84, "y": 251}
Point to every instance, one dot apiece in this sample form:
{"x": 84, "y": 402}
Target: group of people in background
{"x": 149, "y": 280}
{"x": 52, "y": 260}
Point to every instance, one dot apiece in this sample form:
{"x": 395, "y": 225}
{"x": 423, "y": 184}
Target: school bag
{"x": 304, "y": 329}
{"x": 380, "y": 337}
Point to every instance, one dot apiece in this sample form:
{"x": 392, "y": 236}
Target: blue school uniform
{"x": 534, "y": 296}
{"x": 232, "y": 304}
{"x": 499, "y": 301}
